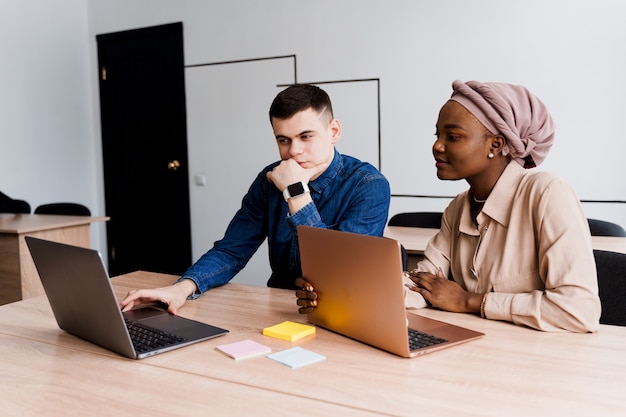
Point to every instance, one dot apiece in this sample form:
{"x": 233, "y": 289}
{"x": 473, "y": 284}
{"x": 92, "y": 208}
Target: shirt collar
{"x": 329, "y": 174}
{"x": 498, "y": 205}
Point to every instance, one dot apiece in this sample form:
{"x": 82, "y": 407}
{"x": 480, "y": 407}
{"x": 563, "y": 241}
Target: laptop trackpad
{"x": 163, "y": 321}
{"x": 144, "y": 313}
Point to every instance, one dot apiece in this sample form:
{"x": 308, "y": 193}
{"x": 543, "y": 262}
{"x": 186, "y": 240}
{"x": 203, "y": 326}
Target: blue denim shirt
{"x": 350, "y": 195}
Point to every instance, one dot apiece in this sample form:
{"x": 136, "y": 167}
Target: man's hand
{"x": 173, "y": 296}
{"x": 289, "y": 172}
{"x": 307, "y": 297}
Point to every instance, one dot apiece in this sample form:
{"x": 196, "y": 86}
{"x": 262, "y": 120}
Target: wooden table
{"x": 18, "y": 276}
{"x": 512, "y": 371}
{"x": 415, "y": 239}
{"x": 609, "y": 243}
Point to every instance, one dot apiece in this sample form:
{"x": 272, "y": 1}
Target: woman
{"x": 516, "y": 244}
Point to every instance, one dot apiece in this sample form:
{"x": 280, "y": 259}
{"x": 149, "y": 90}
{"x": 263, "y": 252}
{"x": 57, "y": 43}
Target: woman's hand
{"x": 443, "y": 293}
{"x": 307, "y": 297}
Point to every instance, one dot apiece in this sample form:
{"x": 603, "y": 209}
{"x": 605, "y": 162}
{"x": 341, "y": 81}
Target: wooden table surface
{"x": 512, "y": 371}
{"x": 26, "y": 223}
{"x": 415, "y": 239}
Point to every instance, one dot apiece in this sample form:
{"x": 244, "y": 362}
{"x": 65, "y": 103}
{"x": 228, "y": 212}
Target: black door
{"x": 144, "y": 146}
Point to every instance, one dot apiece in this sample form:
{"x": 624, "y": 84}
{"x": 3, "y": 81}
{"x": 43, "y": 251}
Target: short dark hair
{"x": 299, "y": 97}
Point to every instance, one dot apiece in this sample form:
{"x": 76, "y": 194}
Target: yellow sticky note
{"x": 288, "y": 330}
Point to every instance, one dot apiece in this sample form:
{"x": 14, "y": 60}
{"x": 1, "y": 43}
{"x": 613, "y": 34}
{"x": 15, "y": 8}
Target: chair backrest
{"x": 428, "y": 219}
{"x": 603, "y": 228}
{"x": 68, "y": 209}
{"x": 10, "y": 205}
{"x": 611, "y": 267}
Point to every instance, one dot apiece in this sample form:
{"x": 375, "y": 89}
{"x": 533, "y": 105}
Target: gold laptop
{"x": 358, "y": 279}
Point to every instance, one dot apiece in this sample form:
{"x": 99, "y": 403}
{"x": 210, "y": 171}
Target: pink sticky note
{"x": 244, "y": 349}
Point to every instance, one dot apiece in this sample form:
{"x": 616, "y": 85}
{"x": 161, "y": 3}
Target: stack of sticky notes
{"x": 288, "y": 330}
{"x": 244, "y": 349}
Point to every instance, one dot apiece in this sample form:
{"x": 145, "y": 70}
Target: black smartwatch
{"x": 295, "y": 190}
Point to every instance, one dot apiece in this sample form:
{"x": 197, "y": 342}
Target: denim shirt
{"x": 350, "y": 195}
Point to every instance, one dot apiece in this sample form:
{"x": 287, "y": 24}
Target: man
{"x": 311, "y": 185}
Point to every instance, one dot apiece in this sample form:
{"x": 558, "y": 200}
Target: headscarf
{"x": 513, "y": 112}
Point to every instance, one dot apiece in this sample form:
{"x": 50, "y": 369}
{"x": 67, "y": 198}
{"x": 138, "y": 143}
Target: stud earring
{"x": 490, "y": 156}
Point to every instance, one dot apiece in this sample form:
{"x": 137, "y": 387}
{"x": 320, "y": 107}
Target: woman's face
{"x": 462, "y": 146}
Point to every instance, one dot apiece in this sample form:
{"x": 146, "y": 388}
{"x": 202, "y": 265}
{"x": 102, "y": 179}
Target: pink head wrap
{"x": 513, "y": 112}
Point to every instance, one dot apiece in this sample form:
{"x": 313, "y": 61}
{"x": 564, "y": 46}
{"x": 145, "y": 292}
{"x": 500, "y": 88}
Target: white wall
{"x": 48, "y": 146}
{"x": 569, "y": 54}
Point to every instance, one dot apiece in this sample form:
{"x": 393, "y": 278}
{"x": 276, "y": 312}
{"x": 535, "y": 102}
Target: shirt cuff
{"x": 306, "y": 216}
{"x": 411, "y": 298}
{"x": 194, "y": 295}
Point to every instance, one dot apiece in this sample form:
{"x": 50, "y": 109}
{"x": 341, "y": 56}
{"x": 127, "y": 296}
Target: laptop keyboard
{"x": 418, "y": 340}
{"x": 146, "y": 339}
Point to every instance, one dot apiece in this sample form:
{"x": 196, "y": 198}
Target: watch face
{"x": 295, "y": 189}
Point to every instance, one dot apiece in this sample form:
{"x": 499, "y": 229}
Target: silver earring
{"x": 490, "y": 156}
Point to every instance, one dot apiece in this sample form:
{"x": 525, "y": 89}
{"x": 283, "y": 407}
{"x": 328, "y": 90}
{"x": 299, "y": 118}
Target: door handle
{"x": 173, "y": 165}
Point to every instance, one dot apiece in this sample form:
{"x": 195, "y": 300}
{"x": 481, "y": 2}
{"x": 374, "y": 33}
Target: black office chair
{"x": 10, "y": 205}
{"x": 602, "y": 228}
{"x": 611, "y": 267}
{"x": 67, "y": 209}
{"x": 428, "y": 219}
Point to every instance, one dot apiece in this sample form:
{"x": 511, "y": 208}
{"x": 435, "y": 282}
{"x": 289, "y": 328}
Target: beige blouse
{"x": 531, "y": 251}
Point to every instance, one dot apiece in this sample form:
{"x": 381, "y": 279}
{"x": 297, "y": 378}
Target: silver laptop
{"x": 358, "y": 279}
{"x": 83, "y": 302}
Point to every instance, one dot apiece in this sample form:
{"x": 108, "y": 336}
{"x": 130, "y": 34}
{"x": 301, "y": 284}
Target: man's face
{"x": 307, "y": 137}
